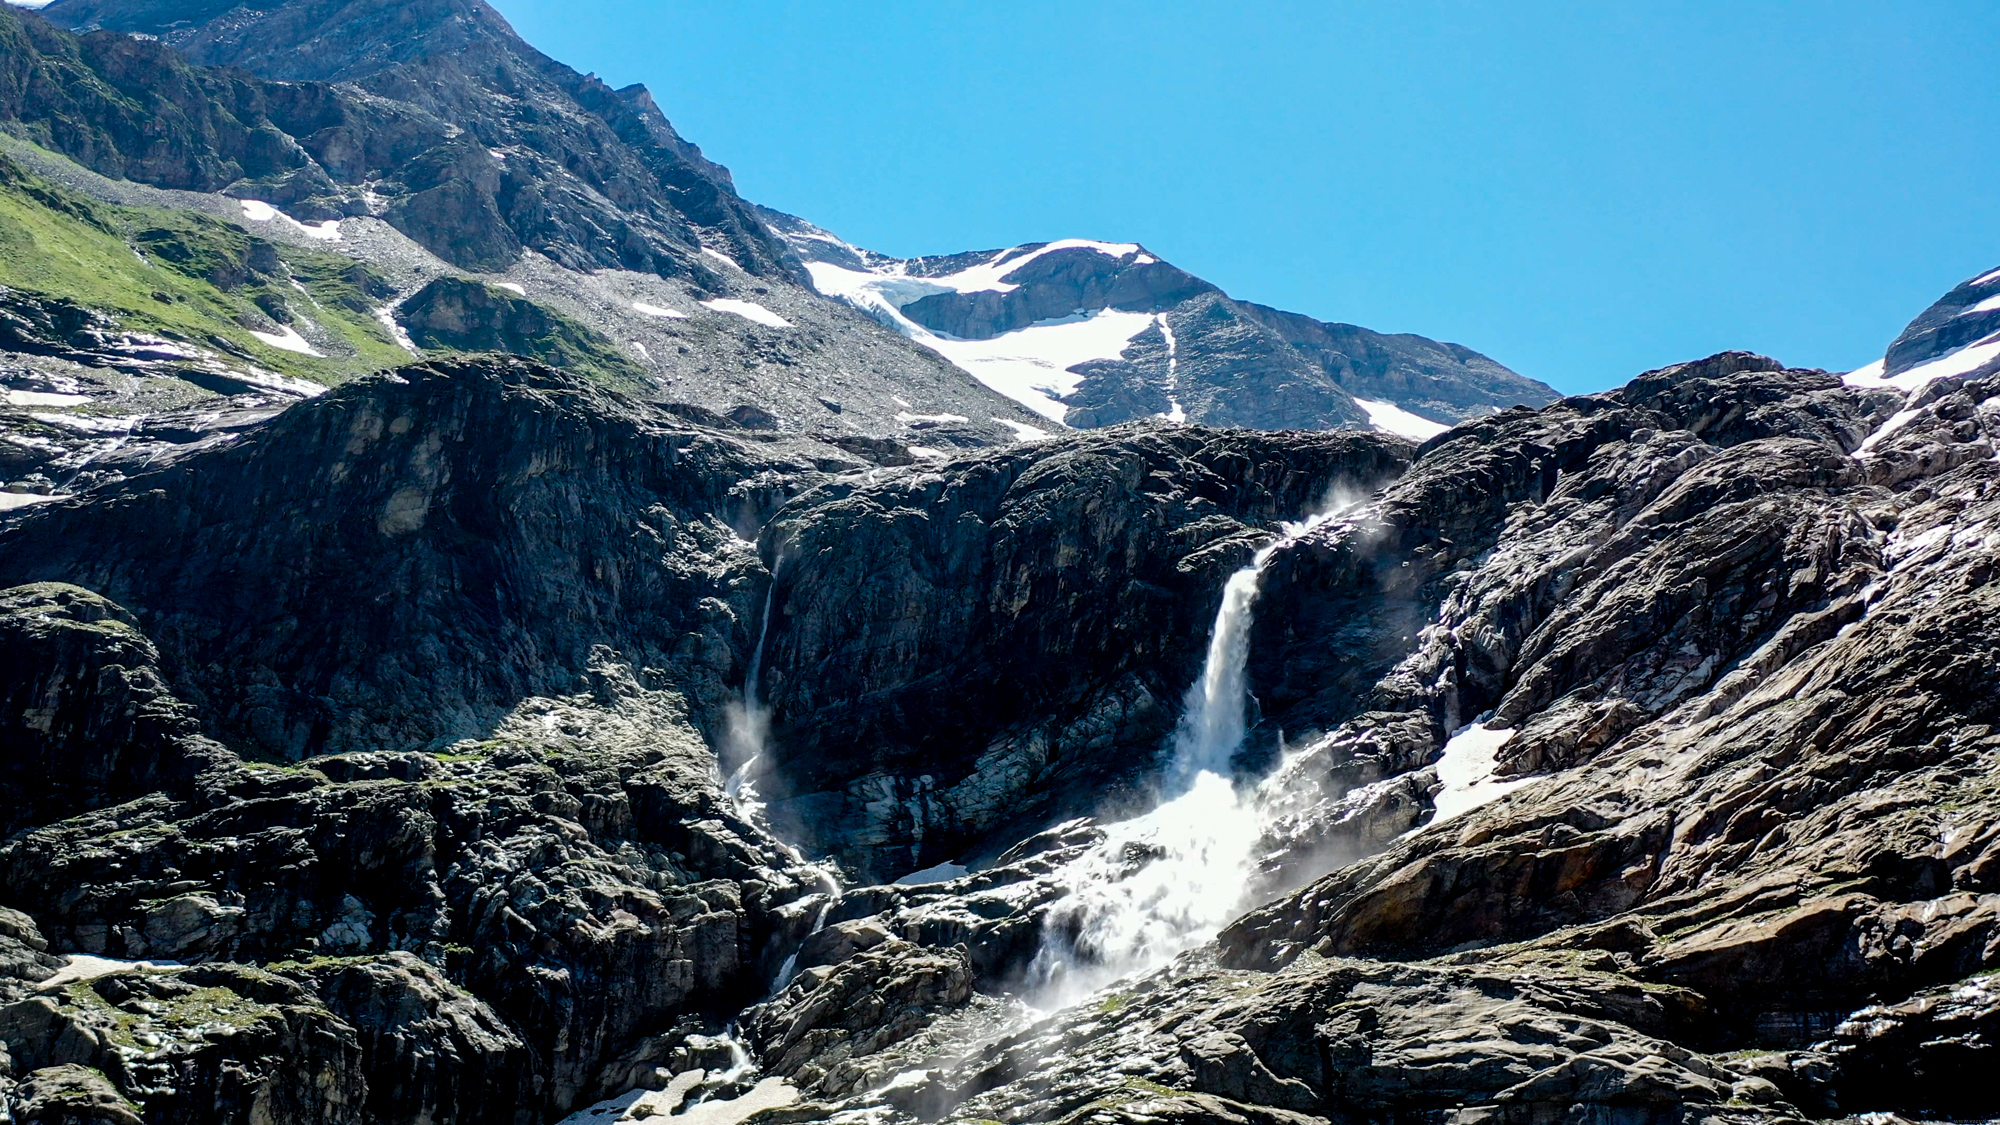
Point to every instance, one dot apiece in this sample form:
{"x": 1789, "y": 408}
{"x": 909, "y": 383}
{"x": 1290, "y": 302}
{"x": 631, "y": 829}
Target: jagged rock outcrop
{"x": 569, "y": 883}
{"x": 951, "y": 650}
{"x": 1967, "y": 315}
{"x": 86, "y": 720}
{"x": 515, "y": 518}
{"x": 1724, "y": 638}
{"x": 452, "y": 314}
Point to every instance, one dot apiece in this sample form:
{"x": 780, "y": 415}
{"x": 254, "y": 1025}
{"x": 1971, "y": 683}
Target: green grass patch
{"x": 189, "y": 276}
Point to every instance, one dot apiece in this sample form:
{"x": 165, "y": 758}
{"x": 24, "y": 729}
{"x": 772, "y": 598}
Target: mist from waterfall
{"x": 1166, "y": 881}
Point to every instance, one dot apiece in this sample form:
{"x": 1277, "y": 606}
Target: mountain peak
{"x": 494, "y": 146}
{"x": 1092, "y": 333}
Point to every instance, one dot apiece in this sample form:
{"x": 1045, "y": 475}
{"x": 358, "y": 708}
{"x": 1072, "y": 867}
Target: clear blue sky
{"x": 1582, "y": 191}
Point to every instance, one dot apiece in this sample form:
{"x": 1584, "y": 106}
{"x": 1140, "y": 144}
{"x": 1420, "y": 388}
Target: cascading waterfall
{"x": 749, "y": 721}
{"x": 748, "y": 737}
{"x": 1194, "y": 850}
{"x": 790, "y": 967}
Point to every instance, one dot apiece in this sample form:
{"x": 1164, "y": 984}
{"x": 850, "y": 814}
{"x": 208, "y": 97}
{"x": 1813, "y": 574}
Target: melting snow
{"x": 1174, "y": 412}
{"x": 387, "y": 315}
{"x": 288, "y": 339}
{"x": 655, "y": 310}
{"x": 83, "y": 966}
{"x": 1023, "y": 431}
{"x": 748, "y": 310}
{"x": 942, "y": 873}
{"x": 1032, "y": 365}
{"x": 43, "y": 398}
{"x": 1467, "y": 772}
{"x": 723, "y": 258}
{"x": 1388, "y": 416}
{"x": 12, "y": 500}
{"x": 258, "y": 211}
{"x": 511, "y": 287}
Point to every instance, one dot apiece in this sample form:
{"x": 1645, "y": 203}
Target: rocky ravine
{"x": 1626, "y": 760}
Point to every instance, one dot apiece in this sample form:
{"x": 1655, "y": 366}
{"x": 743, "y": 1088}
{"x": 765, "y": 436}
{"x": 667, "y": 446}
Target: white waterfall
{"x": 1164, "y": 882}
{"x": 749, "y": 720}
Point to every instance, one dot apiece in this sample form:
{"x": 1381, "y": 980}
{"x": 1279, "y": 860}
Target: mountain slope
{"x": 486, "y": 146}
{"x": 1095, "y": 333}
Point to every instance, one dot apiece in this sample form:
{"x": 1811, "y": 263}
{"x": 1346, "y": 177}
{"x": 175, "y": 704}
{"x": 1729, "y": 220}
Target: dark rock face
{"x": 585, "y": 843}
{"x": 480, "y": 144}
{"x": 85, "y": 719}
{"x": 1969, "y": 314}
{"x": 396, "y": 491}
{"x": 1013, "y": 631}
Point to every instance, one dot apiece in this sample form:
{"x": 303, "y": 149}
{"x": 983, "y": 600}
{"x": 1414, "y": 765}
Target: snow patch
{"x": 1467, "y": 772}
{"x": 1971, "y": 357}
{"x": 748, "y": 310}
{"x": 511, "y": 287}
{"x": 1388, "y": 416}
{"x": 83, "y": 966}
{"x": 1032, "y": 365}
{"x": 928, "y": 453}
{"x": 645, "y": 309}
{"x": 906, "y": 416}
{"x": 258, "y": 211}
{"x": 387, "y": 316}
{"x": 1174, "y": 412}
{"x": 724, "y": 259}
{"x": 12, "y": 500}
{"x": 941, "y": 873}
{"x": 1025, "y": 432}
{"x": 1988, "y": 305}
{"x": 44, "y": 398}
{"x": 288, "y": 339}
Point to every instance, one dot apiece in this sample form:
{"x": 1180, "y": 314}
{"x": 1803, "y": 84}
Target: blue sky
{"x": 1581, "y": 191}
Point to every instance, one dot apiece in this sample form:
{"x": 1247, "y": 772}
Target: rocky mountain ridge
{"x": 1154, "y": 340}
{"x": 429, "y": 142}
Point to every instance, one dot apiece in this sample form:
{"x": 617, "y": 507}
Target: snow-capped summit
{"x": 1092, "y": 333}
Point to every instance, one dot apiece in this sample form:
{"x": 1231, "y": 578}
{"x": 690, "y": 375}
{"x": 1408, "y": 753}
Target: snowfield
{"x": 748, "y": 310}
{"x": 1388, "y": 416}
{"x": 1030, "y": 365}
